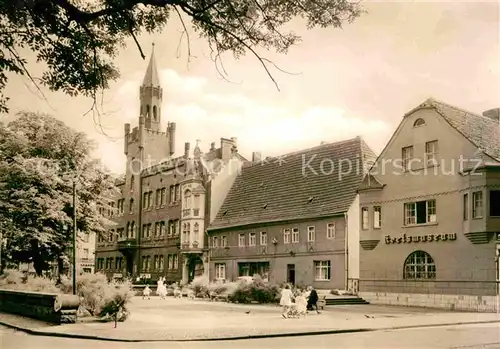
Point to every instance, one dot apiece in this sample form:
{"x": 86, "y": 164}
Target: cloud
{"x": 205, "y": 113}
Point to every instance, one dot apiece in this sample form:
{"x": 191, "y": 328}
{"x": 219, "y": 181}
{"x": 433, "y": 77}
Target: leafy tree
{"x": 77, "y": 39}
{"x": 39, "y": 159}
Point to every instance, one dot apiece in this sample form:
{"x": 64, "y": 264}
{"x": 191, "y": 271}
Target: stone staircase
{"x": 332, "y": 299}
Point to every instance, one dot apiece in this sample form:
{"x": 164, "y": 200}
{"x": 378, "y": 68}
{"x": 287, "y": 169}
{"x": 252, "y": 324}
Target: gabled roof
{"x": 370, "y": 182}
{"x": 482, "y": 131}
{"x": 151, "y": 75}
{"x": 293, "y": 186}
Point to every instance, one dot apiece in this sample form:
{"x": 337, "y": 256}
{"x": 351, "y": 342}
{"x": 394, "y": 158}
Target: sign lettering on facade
{"x": 404, "y": 239}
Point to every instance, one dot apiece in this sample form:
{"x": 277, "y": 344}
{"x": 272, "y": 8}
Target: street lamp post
{"x": 74, "y": 236}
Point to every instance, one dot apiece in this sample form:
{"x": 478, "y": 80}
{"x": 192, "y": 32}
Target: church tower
{"x": 151, "y": 95}
{"x": 146, "y": 145}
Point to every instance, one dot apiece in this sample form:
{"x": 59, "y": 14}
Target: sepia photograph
{"x": 219, "y": 174}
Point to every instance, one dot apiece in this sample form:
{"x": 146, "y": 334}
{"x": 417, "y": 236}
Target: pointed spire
{"x": 151, "y": 76}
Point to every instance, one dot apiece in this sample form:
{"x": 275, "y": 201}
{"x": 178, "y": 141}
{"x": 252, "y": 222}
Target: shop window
{"x": 420, "y": 212}
{"x": 419, "y": 265}
{"x": 477, "y": 204}
{"x": 495, "y": 203}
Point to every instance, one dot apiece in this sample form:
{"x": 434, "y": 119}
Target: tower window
{"x": 147, "y": 111}
{"x": 154, "y": 113}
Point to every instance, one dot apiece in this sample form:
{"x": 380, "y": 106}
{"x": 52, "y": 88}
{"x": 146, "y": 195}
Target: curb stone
{"x": 228, "y": 338}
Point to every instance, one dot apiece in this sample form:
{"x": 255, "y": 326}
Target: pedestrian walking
{"x": 312, "y": 301}
{"x": 286, "y": 301}
{"x": 146, "y": 292}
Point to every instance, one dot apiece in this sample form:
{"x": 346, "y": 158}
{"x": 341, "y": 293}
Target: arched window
{"x": 419, "y": 265}
{"x": 131, "y": 206}
{"x": 128, "y": 230}
{"x": 132, "y": 181}
{"x": 132, "y": 230}
{"x": 187, "y": 199}
{"x": 147, "y": 111}
{"x": 154, "y": 112}
{"x": 419, "y": 122}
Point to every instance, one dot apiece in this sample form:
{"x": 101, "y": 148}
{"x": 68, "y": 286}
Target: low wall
{"x": 440, "y": 301}
{"x": 49, "y": 307}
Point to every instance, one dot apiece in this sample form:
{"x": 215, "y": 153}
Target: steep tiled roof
{"x": 480, "y": 130}
{"x": 297, "y": 185}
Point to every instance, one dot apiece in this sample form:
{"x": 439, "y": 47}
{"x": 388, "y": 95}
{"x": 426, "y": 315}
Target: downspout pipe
{"x": 346, "y": 250}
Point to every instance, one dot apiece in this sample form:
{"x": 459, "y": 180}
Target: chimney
{"x": 493, "y": 114}
{"x": 212, "y": 146}
{"x": 171, "y": 137}
{"x": 186, "y": 149}
{"x": 256, "y": 156}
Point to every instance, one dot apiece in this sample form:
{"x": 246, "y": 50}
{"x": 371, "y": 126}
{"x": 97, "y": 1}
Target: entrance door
{"x": 290, "y": 273}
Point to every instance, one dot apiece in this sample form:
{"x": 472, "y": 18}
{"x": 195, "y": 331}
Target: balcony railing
{"x": 127, "y": 244}
{"x": 191, "y": 245}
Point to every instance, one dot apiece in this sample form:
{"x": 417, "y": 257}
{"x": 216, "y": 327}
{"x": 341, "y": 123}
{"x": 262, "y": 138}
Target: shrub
{"x": 115, "y": 305}
{"x": 222, "y": 288}
{"x": 258, "y": 291}
{"x": 13, "y": 279}
{"x": 96, "y": 291}
{"x": 200, "y": 286}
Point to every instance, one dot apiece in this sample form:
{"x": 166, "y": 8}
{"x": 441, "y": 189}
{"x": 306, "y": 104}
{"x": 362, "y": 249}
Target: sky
{"x": 342, "y": 83}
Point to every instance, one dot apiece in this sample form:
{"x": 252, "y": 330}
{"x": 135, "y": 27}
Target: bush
{"x": 96, "y": 291}
{"x": 222, "y": 288}
{"x": 257, "y": 291}
{"x": 14, "y": 279}
{"x": 200, "y": 286}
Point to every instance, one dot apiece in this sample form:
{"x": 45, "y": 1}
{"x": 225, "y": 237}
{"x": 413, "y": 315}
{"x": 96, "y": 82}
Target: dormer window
{"x": 419, "y": 122}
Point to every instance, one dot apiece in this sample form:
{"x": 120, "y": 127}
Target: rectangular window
{"x": 163, "y": 199}
{"x": 420, "y": 212}
{"x": 156, "y": 262}
{"x": 176, "y": 261}
{"x": 295, "y": 235}
{"x": 431, "y": 149}
{"x": 252, "y": 239}
{"x": 377, "y": 217}
{"x": 215, "y": 242}
{"x": 224, "y": 241}
{"x": 241, "y": 240}
{"x": 161, "y": 262}
{"x": 286, "y": 236}
{"x": 131, "y": 206}
{"x": 169, "y": 262}
{"x": 177, "y": 192}
{"x": 466, "y": 207}
{"x": 263, "y": 238}
{"x": 330, "y": 231}
{"x": 364, "y": 218}
{"x": 406, "y": 156}
{"x": 477, "y": 204}
{"x": 322, "y": 270}
{"x": 311, "y": 234}
{"x": 220, "y": 271}
{"x": 494, "y": 203}
{"x": 172, "y": 194}
{"x": 145, "y": 201}
{"x": 86, "y": 253}
{"x": 158, "y": 198}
